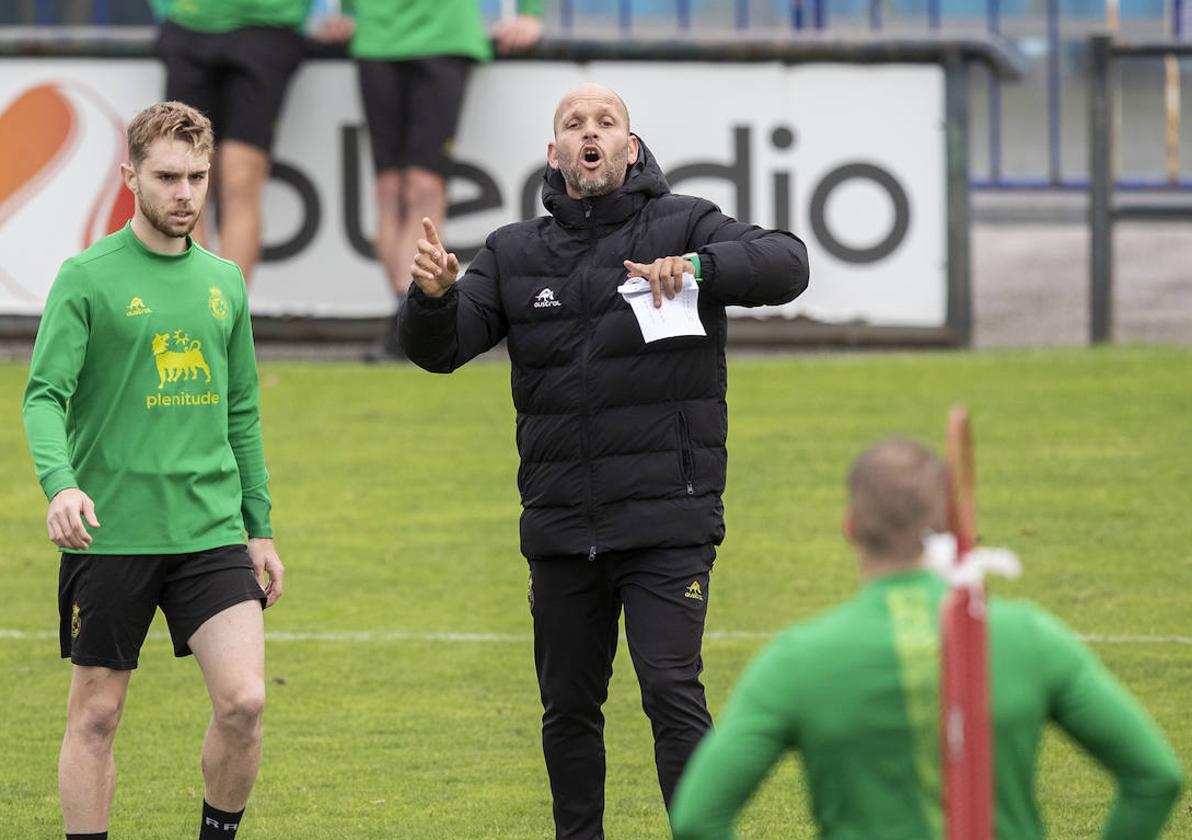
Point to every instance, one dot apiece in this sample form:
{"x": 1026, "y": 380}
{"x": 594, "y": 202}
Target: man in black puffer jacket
{"x": 622, "y": 442}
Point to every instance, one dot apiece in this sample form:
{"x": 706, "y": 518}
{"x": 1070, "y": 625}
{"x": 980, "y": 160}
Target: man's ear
{"x": 847, "y": 528}
{"x": 130, "y": 177}
{"x": 633, "y": 149}
{"x": 552, "y": 156}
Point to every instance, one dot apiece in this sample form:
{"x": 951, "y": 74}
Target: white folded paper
{"x": 677, "y": 316}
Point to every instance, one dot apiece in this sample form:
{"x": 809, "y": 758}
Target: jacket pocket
{"x": 686, "y": 454}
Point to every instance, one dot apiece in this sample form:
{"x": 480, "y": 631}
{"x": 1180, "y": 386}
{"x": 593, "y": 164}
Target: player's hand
{"x": 433, "y": 269}
{"x": 266, "y": 564}
{"x": 335, "y": 30}
{"x": 64, "y": 521}
{"x": 517, "y": 34}
{"x": 665, "y": 275}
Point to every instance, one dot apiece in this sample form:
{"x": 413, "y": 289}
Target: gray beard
{"x": 605, "y": 184}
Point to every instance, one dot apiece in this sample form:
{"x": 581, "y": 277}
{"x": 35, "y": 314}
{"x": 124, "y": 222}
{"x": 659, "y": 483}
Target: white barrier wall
{"x": 849, "y": 157}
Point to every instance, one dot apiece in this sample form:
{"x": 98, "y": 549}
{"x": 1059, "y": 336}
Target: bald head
{"x": 898, "y": 491}
{"x": 588, "y": 96}
{"x": 593, "y": 148}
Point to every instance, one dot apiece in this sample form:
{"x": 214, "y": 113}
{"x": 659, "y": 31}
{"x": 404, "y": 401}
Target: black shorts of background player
{"x": 239, "y": 80}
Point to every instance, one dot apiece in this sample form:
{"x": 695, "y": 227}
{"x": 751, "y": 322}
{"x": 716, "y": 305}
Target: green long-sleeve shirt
{"x": 856, "y": 693}
{"x": 143, "y": 393}
{"x": 226, "y": 15}
{"x": 397, "y": 30}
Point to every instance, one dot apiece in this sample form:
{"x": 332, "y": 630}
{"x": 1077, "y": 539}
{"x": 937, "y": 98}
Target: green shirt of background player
{"x": 409, "y": 53}
{"x": 142, "y": 414}
{"x": 856, "y": 693}
{"x": 224, "y": 16}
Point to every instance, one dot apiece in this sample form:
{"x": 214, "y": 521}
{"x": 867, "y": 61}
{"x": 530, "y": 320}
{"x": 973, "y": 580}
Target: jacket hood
{"x": 644, "y": 181}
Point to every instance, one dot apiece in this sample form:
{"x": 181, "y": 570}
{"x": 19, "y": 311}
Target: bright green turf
{"x": 396, "y": 510}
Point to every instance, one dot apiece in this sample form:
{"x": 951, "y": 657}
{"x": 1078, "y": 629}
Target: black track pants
{"x": 576, "y": 604}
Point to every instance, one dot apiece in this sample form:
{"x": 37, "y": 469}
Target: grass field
{"x": 396, "y": 513}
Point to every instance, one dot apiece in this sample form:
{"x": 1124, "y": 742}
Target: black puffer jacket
{"x": 622, "y": 443}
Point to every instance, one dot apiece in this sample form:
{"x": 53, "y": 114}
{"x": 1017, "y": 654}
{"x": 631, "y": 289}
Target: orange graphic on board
{"x": 38, "y": 131}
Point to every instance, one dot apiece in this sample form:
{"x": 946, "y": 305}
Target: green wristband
{"x": 694, "y": 259}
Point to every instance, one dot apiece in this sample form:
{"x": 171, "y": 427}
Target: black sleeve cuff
{"x": 426, "y": 301}
{"x": 707, "y": 268}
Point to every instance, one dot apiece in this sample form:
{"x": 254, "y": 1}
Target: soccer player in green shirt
{"x": 142, "y": 414}
{"x": 856, "y": 693}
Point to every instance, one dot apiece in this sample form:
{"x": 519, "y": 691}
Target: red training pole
{"x": 966, "y": 740}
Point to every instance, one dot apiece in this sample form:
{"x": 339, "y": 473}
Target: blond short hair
{"x": 175, "y": 120}
{"x": 898, "y": 491}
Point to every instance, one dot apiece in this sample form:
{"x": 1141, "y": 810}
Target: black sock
{"x": 98, "y": 835}
{"x": 217, "y": 824}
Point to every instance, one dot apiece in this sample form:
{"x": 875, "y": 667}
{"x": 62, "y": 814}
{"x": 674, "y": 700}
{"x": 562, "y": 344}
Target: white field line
{"x": 381, "y": 636}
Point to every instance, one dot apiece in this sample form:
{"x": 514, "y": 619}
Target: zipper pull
{"x": 587, "y": 210}
{"x": 690, "y": 489}
{"x": 591, "y": 553}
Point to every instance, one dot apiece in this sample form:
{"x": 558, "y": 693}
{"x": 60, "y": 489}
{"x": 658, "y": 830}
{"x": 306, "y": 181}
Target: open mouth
{"x": 590, "y": 157}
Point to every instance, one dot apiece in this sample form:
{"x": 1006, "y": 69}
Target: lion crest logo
{"x": 218, "y": 304}
{"x": 76, "y": 621}
{"x": 184, "y": 361}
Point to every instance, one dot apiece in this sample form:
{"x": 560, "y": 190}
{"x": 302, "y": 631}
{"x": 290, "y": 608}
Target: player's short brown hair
{"x": 168, "y": 119}
{"x": 898, "y": 491}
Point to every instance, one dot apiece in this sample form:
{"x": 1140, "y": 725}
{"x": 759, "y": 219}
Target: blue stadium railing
{"x": 1054, "y": 26}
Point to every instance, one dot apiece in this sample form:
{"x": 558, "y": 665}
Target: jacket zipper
{"x": 686, "y": 454}
{"x": 587, "y": 412}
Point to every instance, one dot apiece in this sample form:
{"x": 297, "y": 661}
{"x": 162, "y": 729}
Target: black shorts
{"x": 412, "y": 108}
{"x": 107, "y": 601}
{"x": 238, "y": 78}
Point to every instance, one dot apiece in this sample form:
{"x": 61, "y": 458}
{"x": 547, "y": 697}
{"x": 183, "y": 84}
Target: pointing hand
{"x": 433, "y": 269}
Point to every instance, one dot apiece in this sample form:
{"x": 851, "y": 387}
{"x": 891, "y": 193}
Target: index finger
{"x": 432, "y": 235}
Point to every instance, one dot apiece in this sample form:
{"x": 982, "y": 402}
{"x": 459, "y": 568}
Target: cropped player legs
{"x": 404, "y": 198}
{"x": 230, "y": 649}
{"x": 242, "y": 170}
{"x": 664, "y": 626}
{"x": 575, "y": 639}
{"x": 86, "y": 767}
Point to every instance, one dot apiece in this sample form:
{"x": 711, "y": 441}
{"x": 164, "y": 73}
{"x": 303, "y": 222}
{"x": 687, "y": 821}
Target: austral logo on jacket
{"x": 545, "y": 299}
{"x": 178, "y": 357}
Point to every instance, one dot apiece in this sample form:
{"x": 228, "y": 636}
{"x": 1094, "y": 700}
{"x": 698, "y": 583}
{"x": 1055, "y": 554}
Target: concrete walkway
{"x": 1030, "y": 284}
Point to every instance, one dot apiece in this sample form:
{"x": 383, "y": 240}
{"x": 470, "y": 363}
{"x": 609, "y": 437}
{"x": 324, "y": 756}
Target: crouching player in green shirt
{"x": 856, "y": 692}
{"x": 141, "y": 412}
